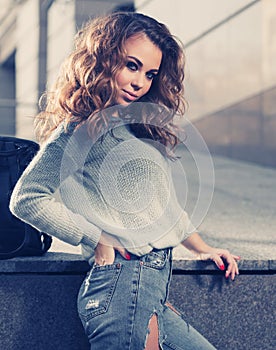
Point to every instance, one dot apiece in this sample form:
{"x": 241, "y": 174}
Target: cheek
{"x": 121, "y": 78}
{"x": 147, "y": 86}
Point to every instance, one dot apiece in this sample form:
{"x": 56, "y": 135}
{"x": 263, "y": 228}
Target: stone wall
{"x": 38, "y": 303}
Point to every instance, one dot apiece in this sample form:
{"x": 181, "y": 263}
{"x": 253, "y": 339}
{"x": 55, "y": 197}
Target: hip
{"x": 140, "y": 280}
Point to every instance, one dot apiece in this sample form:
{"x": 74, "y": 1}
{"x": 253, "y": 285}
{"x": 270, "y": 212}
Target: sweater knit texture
{"x": 75, "y": 188}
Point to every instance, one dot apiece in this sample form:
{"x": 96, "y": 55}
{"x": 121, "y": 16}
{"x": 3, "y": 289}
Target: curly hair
{"x": 86, "y": 83}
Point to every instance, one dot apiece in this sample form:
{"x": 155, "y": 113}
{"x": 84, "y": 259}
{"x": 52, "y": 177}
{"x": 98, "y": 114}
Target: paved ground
{"x": 239, "y": 213}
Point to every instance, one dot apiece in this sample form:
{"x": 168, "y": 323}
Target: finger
{"x": 218, "y": 261}
{"x": 125, "y": 254}
{"x": 227, "y": 273}
{"x": 215, "y": 258}
{"x": 104, "y": 261}
{"x": 232, "y": 270}
{"x": 236, "y": 268}
{"x": 229, "y": 259}
{"x": 233, "y": 273}
{"x": 104, "y": 255}
{"x": 230, "y": 264}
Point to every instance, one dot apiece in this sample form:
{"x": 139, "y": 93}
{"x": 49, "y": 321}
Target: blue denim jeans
{"x": 117, "y": 301}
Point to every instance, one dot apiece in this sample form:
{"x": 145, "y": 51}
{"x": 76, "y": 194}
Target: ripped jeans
{"x": 117, "y": 301}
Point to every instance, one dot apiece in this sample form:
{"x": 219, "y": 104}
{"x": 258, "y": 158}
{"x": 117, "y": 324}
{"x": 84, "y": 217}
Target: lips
{"x": 129, "y": 95}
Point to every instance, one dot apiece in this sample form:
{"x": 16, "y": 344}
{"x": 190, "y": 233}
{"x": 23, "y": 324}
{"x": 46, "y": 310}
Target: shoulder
{"x": 59, "y": 136}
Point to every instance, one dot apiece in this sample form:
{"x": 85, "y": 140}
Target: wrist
{"x": 196, "y": 245}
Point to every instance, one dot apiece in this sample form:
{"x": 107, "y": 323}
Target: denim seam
{"x": 134, "y": 292}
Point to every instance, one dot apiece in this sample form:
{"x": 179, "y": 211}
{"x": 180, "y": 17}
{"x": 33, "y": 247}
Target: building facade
{"x": 35, "y": 36}
{"x": 230, "y": 64}
{"x": 230, "y": 71}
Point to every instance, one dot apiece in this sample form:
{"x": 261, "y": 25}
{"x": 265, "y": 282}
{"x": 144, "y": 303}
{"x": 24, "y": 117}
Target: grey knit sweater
{"x": 75, "y": 188}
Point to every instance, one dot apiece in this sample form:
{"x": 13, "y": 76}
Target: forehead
{"x": 140, "y": 47}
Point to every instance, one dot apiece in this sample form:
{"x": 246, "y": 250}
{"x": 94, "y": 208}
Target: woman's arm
{"x": 33, "y": 200}
{"x": 196, "y": 245}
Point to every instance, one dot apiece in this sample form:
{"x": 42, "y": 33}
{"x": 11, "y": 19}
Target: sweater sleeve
{"x": 34, "y": 200}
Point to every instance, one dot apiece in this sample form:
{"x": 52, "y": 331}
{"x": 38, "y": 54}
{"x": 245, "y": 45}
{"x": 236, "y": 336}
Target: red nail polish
{"x": 127, "y": 256}
{"x": 222, "y": 267}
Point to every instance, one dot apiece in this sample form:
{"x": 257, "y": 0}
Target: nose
{"x": 137, "y": 81}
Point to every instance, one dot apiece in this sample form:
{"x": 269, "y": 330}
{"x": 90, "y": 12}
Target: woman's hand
{"x": 219, "y": 256}
{"x": 105, "y": 250}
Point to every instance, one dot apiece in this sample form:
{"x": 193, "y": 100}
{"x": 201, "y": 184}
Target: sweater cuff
{"x": 92, "y": 237}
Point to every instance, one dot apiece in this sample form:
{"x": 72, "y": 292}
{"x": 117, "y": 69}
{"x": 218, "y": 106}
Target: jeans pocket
{"x": 97, "y": 290}
{"x": 156, "y": 259}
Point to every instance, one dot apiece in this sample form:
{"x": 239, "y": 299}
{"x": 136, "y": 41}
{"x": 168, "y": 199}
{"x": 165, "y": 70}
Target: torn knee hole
{"x": 152, "y": 339}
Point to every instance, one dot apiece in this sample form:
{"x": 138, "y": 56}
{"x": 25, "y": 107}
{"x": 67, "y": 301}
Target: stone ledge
{"x": 38, "y": 297}
{"x": 49, "y": 263}
{"x": 74, "y": 264}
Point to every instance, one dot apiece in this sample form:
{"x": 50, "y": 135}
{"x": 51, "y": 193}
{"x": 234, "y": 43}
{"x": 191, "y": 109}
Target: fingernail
{"x": 127, "y": 256}
{"x": 222, "y": 267}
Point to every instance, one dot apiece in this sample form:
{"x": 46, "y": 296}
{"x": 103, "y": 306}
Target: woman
{"x": 107, "y": 136}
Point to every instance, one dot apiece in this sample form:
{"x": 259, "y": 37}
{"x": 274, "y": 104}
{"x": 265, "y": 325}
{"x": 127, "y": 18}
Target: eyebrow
{"x": 140, "y": 64}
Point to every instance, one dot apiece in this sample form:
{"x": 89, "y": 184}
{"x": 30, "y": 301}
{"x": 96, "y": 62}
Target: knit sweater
{"x": 75, "y": 188}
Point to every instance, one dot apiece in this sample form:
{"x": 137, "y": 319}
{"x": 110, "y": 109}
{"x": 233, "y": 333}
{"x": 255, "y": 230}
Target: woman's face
{"x": 142, "y": 65}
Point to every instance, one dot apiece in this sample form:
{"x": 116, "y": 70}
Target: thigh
{"x": 97, "y": 307}
{"x": 116, "y": 302}
{"x": 179, "y": 335}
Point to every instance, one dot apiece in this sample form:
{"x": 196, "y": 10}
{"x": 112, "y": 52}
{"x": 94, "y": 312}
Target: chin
{"x": 125, "y": 103}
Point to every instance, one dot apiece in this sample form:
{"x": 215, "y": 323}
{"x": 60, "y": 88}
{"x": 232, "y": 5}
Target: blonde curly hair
{"x": 86, "y": 82}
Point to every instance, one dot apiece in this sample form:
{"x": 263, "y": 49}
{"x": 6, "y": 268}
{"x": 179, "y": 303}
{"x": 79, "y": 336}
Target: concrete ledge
{"x": 53, "y": 262}
{"x": 38, "y": 302}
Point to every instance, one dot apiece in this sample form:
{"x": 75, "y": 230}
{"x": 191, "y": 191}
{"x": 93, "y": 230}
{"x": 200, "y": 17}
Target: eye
{"x": 151, "y": 75}
{"x": 132, "y": 66}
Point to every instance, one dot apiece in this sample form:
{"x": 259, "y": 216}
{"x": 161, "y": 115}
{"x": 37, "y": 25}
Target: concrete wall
{"x": 61, "y": 31}
{"x": 246, "y": 130}
{"x": 7, "y": 70}
{"x": 38, "y": 303}
{"x": 64, "y": 19}
{"x": 230, "y": 50}
{"x": 7, "y": 99}
{"x": 27, "y": 66}
{"x": 44, "y": 37}
{"x": 227, "y": 63}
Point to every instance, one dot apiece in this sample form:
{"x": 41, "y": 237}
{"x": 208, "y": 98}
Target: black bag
{"x": 16, "y": 237}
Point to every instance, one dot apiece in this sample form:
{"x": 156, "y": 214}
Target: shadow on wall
{"x": 244, "y": 131}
